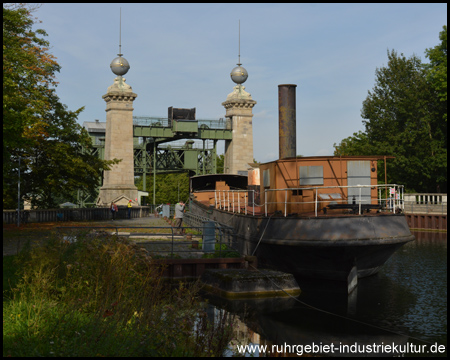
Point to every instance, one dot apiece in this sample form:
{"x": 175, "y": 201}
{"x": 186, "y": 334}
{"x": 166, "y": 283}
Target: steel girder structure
{"x": 172, "y": 158}
{"x": 153, "y": 152}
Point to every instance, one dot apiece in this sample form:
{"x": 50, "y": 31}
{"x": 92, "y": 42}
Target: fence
{"x": 222, "y": 235}
{"x": 426, "y": 203}
{"x": 173, "y": 268}
{"x": 78, "y": 214}
{"x": 226, "y": 234}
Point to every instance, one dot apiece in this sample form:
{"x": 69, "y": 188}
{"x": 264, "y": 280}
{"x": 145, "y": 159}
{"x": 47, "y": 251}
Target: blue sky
{"x": 181, "y": 55}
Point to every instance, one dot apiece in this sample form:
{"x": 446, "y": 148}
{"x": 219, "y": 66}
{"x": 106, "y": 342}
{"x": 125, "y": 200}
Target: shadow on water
{"x": 405, "y": 303}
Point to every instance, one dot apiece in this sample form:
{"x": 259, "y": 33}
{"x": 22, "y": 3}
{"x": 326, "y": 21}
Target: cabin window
{"x": 297, "y": 192}
{"x": 266, "y": 178}
{"x": 311, "y": 175}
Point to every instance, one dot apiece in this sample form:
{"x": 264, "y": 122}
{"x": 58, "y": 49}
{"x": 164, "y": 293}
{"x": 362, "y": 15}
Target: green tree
{"x": 170, "y": 188}
{"x": 220, "y": 163}
{"x": 437, "y": 73}
{"x": 402, "y": 119}
{"x": 53, "y": 148}
{"x": 358, "y": 144}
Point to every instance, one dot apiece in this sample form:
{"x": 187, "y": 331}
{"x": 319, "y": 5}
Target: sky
{"x": 181, "y": 55}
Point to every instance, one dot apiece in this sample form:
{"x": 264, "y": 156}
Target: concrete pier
{"x": 242, "y": 283}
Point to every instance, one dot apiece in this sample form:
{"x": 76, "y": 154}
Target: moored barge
{"x": 319, "y": 217}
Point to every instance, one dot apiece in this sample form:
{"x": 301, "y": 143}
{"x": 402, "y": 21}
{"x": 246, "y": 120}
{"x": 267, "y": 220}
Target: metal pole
{"x": 359, "y": 201}
{"x": 316, "y": 203}
{"x": 154, "y": 172}
{"x": 144, "y": 165}
{"x": 204, "y": 157}
{"x": 265, "y": 201}
{"x": 18, "y": 198}
{"x": 394, "y": 200}
{"x": 172, "y": 239}
{"x": 245, "y": 203}
{"x": 285, "y": 203}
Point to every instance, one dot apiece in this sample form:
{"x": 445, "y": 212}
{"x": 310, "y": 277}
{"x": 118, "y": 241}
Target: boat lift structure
{"x": 169, "y": 144}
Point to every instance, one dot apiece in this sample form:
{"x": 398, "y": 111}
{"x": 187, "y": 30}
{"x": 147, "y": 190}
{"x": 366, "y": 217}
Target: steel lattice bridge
{"x": 170, "y": 144}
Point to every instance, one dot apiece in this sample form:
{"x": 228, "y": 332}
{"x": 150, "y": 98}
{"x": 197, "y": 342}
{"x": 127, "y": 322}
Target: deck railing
{"x": 390, "y": 198}
{"x": 223, "y": 201}
{"x": 392, "y": 201}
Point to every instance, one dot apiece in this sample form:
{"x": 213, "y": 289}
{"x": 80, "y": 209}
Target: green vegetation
{"x": 170, "y": 188}
{"x": 221, "y": 251}
{"x": 101, "y": 296}
{"x": 55, "y": 152}
{"x": 406, "y": 117}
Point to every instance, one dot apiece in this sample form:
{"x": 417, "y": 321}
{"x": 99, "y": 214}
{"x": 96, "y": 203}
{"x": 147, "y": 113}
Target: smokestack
{"x": 286, "y": 120}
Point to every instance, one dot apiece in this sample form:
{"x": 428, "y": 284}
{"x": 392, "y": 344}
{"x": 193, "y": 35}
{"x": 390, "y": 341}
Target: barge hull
{"x": 316, "y": 247}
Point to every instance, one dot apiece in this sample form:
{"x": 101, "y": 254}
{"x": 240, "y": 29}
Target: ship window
{"x": 266, "y": 178}
{"x": 297, "y": 192}
{"x": 311, "y": 175}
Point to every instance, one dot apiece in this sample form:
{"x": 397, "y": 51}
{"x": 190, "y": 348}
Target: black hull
{"x": 316, "y": 247}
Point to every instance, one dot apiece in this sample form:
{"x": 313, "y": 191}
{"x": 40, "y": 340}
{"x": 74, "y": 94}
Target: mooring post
{"x": 252, "y": 262}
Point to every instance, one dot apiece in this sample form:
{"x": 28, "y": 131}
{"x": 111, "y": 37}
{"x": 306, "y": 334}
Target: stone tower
{"x": 239, "y": 151}
{"x": 118, "y": 183}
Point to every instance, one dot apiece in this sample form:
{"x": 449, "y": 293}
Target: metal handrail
{"x": 395, "y": 202}
{"x": 225, "y": 199}
{"x": 223, "y": 204}
{"x": 214, "y": 124}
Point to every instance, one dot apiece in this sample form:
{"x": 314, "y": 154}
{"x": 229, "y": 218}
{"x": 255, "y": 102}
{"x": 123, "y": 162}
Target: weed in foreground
{"x": 102, "y": 296}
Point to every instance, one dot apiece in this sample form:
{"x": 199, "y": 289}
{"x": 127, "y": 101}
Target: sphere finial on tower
{"x": 239, "y": 75}
{"x": 120, "y": 66}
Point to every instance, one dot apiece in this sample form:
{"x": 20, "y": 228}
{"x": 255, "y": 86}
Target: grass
{"x": 220, "y": 251}
{"x": 101, "y": 296}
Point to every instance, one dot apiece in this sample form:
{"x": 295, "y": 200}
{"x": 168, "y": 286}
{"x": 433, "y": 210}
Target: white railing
{"x": 227, "y": 200}
{"x": 393, "y": 201}
{"x": 237, "y": 200}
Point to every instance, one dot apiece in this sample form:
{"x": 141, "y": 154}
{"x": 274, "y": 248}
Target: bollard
{"x": 209, "y": 236}
{"x": 252, "y": 262}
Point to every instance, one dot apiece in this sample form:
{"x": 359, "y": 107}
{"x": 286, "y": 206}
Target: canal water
{"x": 401, "y": 311}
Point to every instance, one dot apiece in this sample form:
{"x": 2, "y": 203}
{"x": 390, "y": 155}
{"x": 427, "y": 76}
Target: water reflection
{"x": 406, "y": 302}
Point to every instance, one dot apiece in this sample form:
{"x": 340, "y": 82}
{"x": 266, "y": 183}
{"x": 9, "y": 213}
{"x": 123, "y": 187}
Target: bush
{"x": 102, "y": 296}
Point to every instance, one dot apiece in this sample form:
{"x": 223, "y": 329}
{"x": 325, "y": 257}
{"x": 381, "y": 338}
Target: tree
{"x": 53, "y": 148}
{"x": 358, "y": 144}
{"x": 437, "y": 72}
{"x": 170, "y": 188}
{"x": 401, "y": 119}
{"x": 220, "y": 163}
